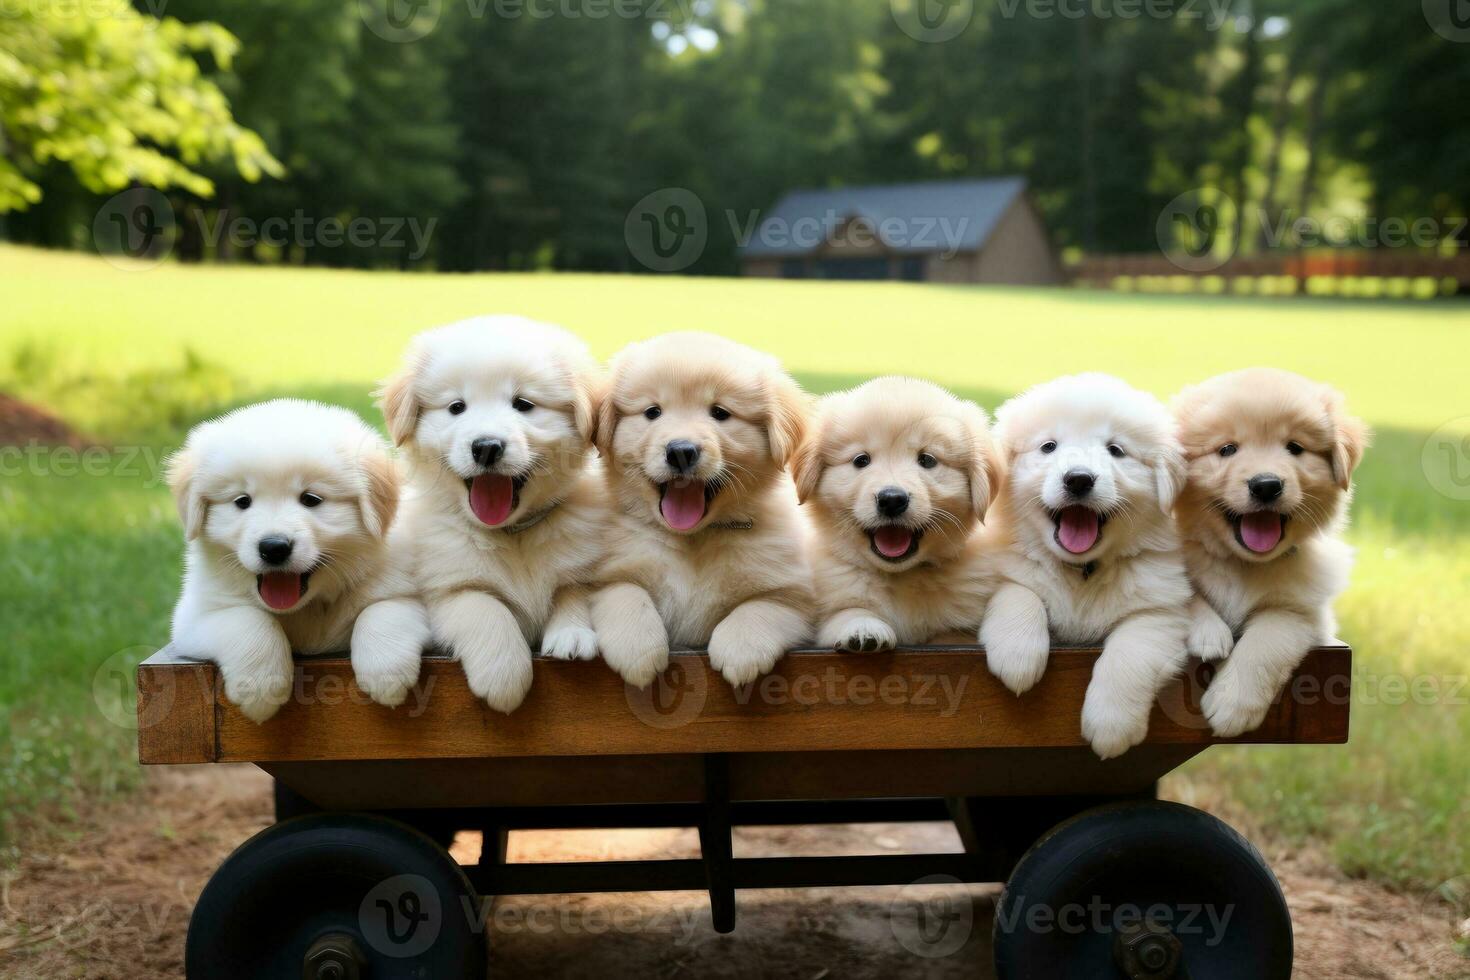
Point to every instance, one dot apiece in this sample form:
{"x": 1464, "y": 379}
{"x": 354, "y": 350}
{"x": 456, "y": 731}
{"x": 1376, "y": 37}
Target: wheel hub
{"x": 335, "y": 956}
{"x": 1148, "y": 951}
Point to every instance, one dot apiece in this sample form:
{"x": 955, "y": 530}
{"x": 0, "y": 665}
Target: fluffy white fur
{"x": 912, "y": 437}
{"x": 319, "y": 477}
{"x": 496, "y": 591}
{"x": 1279, "y": 601}
{"x": 736, "y": 581}
{"x": 1128, "y": 590}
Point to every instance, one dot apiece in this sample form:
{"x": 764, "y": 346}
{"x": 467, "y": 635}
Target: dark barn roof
{"x": 972, "y": 209}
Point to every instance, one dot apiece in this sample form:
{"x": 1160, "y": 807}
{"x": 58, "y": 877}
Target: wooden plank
{"x": 913, "y": 699}
{"x": 176, "y": 711}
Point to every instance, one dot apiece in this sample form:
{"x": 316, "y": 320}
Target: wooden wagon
{"x": 354, "y": 880}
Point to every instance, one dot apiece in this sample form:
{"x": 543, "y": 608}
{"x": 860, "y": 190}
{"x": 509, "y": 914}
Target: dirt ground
{"x": 21, "y": 424}
{"x": 112, "y": 901}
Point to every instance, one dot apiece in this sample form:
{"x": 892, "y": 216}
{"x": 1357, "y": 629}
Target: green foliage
{"x": 111, "y": 93}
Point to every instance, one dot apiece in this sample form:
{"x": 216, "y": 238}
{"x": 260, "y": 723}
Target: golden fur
{"x": 737, "y": 580}
{"x": 893, "y": 427}
{"x": 1278, "y": 602}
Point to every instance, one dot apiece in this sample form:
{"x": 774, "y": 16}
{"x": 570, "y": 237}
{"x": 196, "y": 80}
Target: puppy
{"x": 1093, "y": 553}
{"x": 706, "y": 547}
{"x": 286, "y": 507}
{"x": 897, "y": 474}
{"x": 505, "y": 513}
{"x": 1271, "y": 456}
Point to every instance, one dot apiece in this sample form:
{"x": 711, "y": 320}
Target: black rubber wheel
{"x": 1145, "y": 889}
{"x": 361, "y": 895}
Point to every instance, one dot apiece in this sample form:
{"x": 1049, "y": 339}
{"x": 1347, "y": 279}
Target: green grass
{"x": 90, "y": 563}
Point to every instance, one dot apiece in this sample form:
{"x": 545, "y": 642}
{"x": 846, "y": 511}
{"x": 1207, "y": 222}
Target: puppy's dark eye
{"x": 652, "y": 412}
{"x": 1295, "y": 448}
{"x": 861, "y": 460}
{"x": 243, "y": 501}
{"x": 521, "y": 405}
{"x": 718, "y": 413}
{"x": 927, "y": 461}
{"x": 1049, "y": 447}
{"x": 1116, "y": 451}
{"x": 309, "y": 499}
{"x": 456, "y": 408}
{"x": 1229, "y": 449}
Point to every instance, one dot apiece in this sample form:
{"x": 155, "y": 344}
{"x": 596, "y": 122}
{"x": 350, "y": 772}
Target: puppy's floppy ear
{"x": 1349, "y": 440}
{"x": 786, "y": 418}
{"x": 400, "y": 402}
{"x": 585, "y": 404}
{"x": 379, "y": 500}
{"x": 604, "y": 419}
{"x": 1170, "y": 472}
{"x": 807, "y": 465}
{"x": 987, "y": 464}
{"x": 182, "y": 466}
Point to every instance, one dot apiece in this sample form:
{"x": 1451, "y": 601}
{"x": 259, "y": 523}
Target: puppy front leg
{"x": 1273, "y": 643}
{"x": 1209, "y": 636}
{"x": 749, "y": 641}
{"x": 1015, "y": 635}
{"x": 253, "y": 654}
{"x": 388, "y": 643}
{"x": 1138, "y": 658}
{"x": 856, "y": 630}
{"x": 633, "y": 639}
{"x": 487, "y": 640}
{"x": 569, "y": 634}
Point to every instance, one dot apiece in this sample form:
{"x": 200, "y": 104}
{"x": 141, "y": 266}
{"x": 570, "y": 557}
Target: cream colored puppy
{"x": 897, "y": 474}
{"x": 706, "y": 548}
{"x": 1271, "y": 457}
{"x": 1094, "y": 557}
{"x": 504, "y": 509}
{"x": 286, "y": 508}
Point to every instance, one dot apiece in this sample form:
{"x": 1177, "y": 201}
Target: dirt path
{"x": 113, "y": 902}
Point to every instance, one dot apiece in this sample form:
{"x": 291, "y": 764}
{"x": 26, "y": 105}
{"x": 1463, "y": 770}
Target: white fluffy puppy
{"x": 897, "y": 474}
{"x": 287, "y": 507}
{"x": 504, "y": 511}
{"x": 1271, "y": 457}
{"x": 1094, "y": 471}
{"x": 707, "y": 547}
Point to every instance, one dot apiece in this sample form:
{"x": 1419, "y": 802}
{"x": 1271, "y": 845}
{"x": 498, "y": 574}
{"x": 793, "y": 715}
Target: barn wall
{"x": 961, "y": 267}
{"x": 765, "y": 268}
{"x": 1019, "y": 252}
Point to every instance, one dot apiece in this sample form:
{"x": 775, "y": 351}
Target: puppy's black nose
{"x": 892, "y": 501}
{"x": 1265, "y": 487}
{"x": 1079, "y": 482}
{"x": 487, "y": 451}
{"x": 682, "y": 455}
{"x": 275, "y": 550}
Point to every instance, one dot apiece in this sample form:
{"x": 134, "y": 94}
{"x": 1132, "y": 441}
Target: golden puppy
{"x": 505, "y": 513}
{"x": 706, "y": 547}
{"x": 287, "y": 508}
{"x": 897, "y": 474}
{"x": 1271, "y": 455}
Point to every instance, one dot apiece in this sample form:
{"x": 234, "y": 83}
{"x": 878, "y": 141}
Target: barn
{"x": 955, "y": 231}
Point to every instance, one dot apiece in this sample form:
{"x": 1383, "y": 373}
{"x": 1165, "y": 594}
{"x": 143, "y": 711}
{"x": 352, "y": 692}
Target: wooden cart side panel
{"x": 177, "y": 711}
{"x": 925, "y": 698}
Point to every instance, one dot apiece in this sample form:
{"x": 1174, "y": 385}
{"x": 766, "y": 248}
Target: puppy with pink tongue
{"x": 1271, "y": 456}
{"x": 706, "y": 547}
{"x": 1091, "y": 555}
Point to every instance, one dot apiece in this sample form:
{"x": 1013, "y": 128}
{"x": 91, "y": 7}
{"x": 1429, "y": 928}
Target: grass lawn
{"x": 89, "y": 554}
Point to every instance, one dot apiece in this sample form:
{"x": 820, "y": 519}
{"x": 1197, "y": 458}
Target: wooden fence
{"x": 1103, "y": 270}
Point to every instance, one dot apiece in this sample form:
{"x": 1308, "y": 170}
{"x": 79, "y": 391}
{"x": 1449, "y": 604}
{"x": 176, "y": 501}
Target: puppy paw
{"x": 259, "y": 692}
{"x": 1017, "y": 657}
{"x": 866, "y": 634}
{"x": 386, "y": 672}
{"x": 1112, "y": 727}
{"x": 637, "y": 661}
{"x": 501, "y": 678}
{"x": 570, "y": 643}
{"x": 1209, "y": 638}
{"x": 739, "y": 656}
{"x": 1232, "y": 706}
